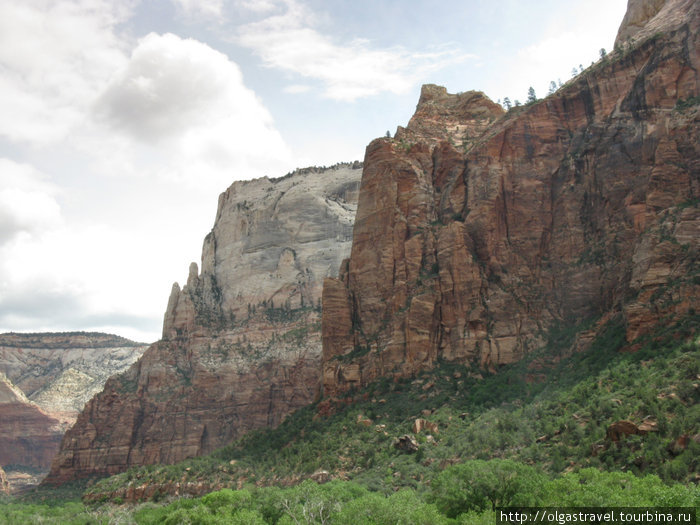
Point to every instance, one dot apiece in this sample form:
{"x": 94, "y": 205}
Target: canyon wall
{"x": 476, "y": 231}
{"x": 60, "y": 372}
{"x": 241, "y": 343}
{"x": 45, "y": 381}
{"x": 29, "y": 437}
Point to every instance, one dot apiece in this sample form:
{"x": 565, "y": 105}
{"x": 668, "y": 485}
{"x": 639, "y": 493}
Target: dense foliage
{"x": 465, "y": 493}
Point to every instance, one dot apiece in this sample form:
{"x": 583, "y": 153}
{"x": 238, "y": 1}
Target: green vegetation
{"x": 405, "y": 146}
{"x": 684, "y": 104}
{"x": 286, "y": 314}
{"x": 532, "y": 434}
{"x": 531, "y": 96}
{"x": 484, "y": 485}
{"x": 465, "y": 493}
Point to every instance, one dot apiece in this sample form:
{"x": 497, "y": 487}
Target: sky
{"x": 121, "y": 121}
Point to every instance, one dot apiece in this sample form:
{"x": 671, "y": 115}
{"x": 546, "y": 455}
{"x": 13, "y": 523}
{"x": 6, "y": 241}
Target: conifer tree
{"x": 531, "y": 96}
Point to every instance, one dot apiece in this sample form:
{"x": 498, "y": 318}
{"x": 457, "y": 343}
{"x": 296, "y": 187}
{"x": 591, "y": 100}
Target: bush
{"x": 484, "y": 485}
{"x": 592, "y": 488}
{"x": 401, "y": 507}
{"x": 227, "y": 498}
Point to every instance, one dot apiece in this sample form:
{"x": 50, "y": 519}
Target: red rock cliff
{"x": 476, "y": 230}
{"x": 29, "y": 437}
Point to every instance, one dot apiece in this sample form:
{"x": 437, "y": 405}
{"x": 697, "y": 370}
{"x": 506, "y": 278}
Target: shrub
{"x": 482, "y": 485}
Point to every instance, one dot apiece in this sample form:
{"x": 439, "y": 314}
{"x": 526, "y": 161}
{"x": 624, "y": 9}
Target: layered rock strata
{"x": 241, "y": 340}
{"x": 644, "y": 18}
{"x": 45, "y": 381}
{"x": 29, "y": 437}
{"x": 60, "y": 372}
{"x": 477, "y": 230}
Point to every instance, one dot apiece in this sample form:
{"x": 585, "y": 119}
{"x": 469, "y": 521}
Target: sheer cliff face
{"x": 29, "y": 437}
{"x": 272, "y": 244}
{"x": 475, "y": 231}
{"x": 644, "y": 18}
{"x": 241, "y": 340}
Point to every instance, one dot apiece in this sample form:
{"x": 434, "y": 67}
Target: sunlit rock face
{"x": 476, "y": 230}
{"x": 241, "y": 343}
{"x": 644, "y": 18}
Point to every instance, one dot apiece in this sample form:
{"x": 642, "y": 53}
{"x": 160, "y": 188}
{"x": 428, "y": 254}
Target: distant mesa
{"x": 45, "y": 381}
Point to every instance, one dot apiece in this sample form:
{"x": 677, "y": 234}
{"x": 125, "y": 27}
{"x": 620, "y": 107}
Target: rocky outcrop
{"x": 441, "y": 116}
{"x": 241, "y": 339}
{"x": 406, "y": 443}
{"x": 471, "y": 240}
{"x": 623, "y": 428}
{"x": 29, "y": 437}
{"x": 644, "y": 18}
{"x": 272, "y": 243}
{"x": 421, "y": 424}
{"x": 4, "y": 484}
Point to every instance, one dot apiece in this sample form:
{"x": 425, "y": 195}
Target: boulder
{"x": 421, "y": 424}
{"x": 406, "y": 443}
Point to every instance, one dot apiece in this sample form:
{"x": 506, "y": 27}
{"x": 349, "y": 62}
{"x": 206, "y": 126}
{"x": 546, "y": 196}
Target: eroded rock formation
{"x": 475, "y": 230}
{"x": 241, "y": 340}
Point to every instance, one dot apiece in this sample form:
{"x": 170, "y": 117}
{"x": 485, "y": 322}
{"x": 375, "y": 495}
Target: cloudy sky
{"x": 122, "y": 120}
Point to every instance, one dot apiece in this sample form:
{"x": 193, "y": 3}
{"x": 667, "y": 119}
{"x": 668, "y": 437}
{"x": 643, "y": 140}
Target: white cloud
{"x": 55, "y": 57}
{"x": 168, "y": 86}
{"x": 571, "y": 40}
{"x": 188, "y": 104}
{"x": 257, "y": 6}
{"x": 84, "y": 277}
{"x": 144, "y": 136}
{"x": 297, "y": 88}
{"x": 27, "y": 201}
{"x": 209, "y": 8}
{"x": 350, "y": 70}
